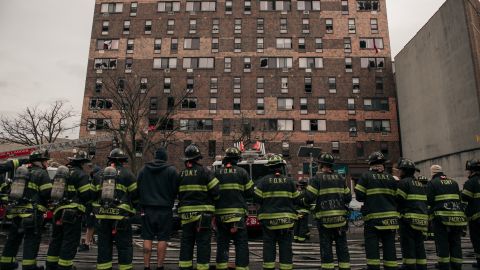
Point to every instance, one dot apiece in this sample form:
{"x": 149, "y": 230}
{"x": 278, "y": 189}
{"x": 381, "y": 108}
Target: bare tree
{"x": 36, "y": 126}
{"x": 140, "y": 126}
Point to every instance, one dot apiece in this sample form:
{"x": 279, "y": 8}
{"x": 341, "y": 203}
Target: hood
{"x": 157, "y": 165}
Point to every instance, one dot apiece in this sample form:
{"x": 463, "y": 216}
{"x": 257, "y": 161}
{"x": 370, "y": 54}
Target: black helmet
{"x": 302, "y": 183}
{"x": 39, "y": 155}
{"x": 192, "y": 152}
{"x": 117, "y": 154}
{"x": 473, "y": 165}
{"x": 406, "y": 164}
{"x": 275, "y": 160}
{"x": 22, "y": 173}
{"x": 110, "y": 172}
{"x": 326, "y": 159}
{"x": 233, "y": 153}
{"x": 376, "y": 158}
{"x": 80, "y": 156}
{"x": 62, "y": 172}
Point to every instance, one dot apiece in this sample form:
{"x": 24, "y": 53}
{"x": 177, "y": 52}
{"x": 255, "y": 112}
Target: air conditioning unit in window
{"x": 284, "y": 69}
{"x": 190, "y": 70}
{"x": 171, "y": 13}
{"x": 306, "y": 12}
{"x": 167, "y": 70}
{"x": 308, "y": 70}
{"x": 106, "y": 14}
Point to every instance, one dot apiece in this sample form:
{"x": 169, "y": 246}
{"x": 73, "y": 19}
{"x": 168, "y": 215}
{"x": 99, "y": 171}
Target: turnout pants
{"x": 64, "y": 243}
{"x": 300, "y": 231}
{"x": 282, "y": 237}
{"x": 448, "y": 243}
{"x": 240, "y": 240}
{"x": 373, "y": 237}
{"x": 202, "y": 237}
{"x": 413, "y": 248}
{"x": 121, "y": 232}
{"x": 474, "y": 227}
{"x": 327, "y": 237}
{"x": 28, "y": 230}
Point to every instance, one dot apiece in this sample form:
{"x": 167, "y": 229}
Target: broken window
{"x": 196, "y": 124}
{"x": 100, "y": 104}
{"x": 189, "y": 103}
{"x": 368, "y": 5}
{"x": 107, "y": 44}
{"x": 371, "y": 43}
{"x": 105, "y": 63}
{"x": 372, "y": 62}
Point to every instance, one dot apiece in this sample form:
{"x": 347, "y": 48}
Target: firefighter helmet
{"x": 192, "y": 152}
{"x": 406, "y": 164}
{"x": 80, "y": 156}
{"x": 376, "y": 158}
{"x": 275, "y": 160}
{"x": 233, "y": 153}
{"x": 302, "y": 183}
{"x": 39, "y": 155}
{"x": 472, "y": 165}
{"x": 117, "y": 154}
{"x": 326, "y": 159}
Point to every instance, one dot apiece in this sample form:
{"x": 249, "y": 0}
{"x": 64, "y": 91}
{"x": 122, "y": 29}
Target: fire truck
{"x": 254, "y": 162}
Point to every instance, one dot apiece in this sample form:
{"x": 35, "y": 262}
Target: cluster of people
{"x": 410, "y": 205}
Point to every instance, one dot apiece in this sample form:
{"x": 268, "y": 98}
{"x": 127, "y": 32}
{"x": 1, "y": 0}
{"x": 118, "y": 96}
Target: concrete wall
{"x": 437, "y": 92}
{"x": 453, "y": 165}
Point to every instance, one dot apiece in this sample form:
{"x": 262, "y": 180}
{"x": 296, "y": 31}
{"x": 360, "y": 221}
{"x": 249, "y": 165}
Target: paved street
{"x": 306, "y": 255}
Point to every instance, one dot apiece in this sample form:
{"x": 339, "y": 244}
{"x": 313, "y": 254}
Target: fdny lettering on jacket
{"x": 189, "y": 172}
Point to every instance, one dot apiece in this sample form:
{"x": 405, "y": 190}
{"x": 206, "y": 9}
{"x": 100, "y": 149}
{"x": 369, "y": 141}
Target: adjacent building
{"x": 287, "y": 73}
{"x": 438, "y": 85}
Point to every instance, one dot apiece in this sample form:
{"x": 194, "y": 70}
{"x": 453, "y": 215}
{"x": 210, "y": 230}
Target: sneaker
{"x": 83, "y": 248}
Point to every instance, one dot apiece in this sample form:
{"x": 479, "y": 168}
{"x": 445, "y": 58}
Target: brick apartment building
{"x": 292, "y": 73}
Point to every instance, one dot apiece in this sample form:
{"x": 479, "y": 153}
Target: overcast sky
{"x": 44, "y": 47}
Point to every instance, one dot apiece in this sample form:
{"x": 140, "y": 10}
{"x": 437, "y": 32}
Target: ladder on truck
{"x": 51, "y": 147}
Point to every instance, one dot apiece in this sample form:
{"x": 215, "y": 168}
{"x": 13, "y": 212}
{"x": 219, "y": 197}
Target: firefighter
{"x": 116, "y": 194}
{"x": 231, "y": 209}
{"x": 332, "y": 196}
{"x": 198, "y": 189}
{"x": 71, "y": 193}
{"x": 7, "y": 169}
{"x": 29, "y": 193}
{"x": 471, "y": 195}
{"x": 277, "y": 196}
{"x": 377, "y": 190}
{"x": 412, "y": 205}
{"x": 449, "y": 220}
{"x": 300, "y": 230}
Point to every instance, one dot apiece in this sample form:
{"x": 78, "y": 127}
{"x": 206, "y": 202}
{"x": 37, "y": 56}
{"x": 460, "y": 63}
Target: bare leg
{"x": 147, "y": 252}
{"x": 161, "y": 252}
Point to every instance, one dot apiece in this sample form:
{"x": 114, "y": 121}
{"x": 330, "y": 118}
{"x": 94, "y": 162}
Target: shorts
{"x": 157, "y": 223}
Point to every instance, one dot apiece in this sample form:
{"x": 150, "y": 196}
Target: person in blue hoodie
{"x": 158, "y": 188}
